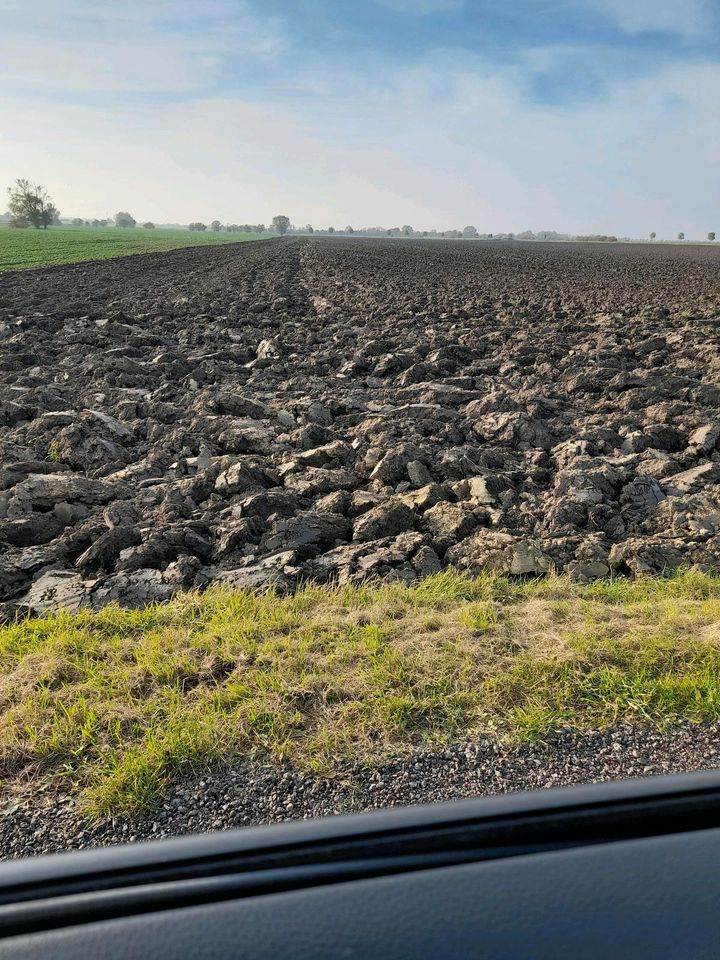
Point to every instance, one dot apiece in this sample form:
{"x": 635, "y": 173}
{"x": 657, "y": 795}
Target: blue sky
{"x": 574, "y": 115}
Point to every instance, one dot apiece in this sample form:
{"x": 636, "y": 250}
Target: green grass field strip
{"x": 120, "y": 701}
{"x": 28, "y": 249}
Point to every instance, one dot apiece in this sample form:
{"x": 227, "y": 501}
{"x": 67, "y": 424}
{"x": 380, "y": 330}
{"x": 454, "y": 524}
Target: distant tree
{"x": 259, "y": 228}
{"x": 349, "y": 230}
{"x": 124, "y": 220}
{"x": 681, "y": 236}
{"x": 30, "y": 205}
{"x": 469, "y": 232}
{"x": 407, "y": 230}
{"x": 149, "y": 225}
{"x": 309, "y": 228}
{"x": 653, "y": 235}
{"x": 331, "y": 229}
{"x": 711, "y": 235}
{"x": 388, "y": 233}
{"x": 198, "y": 225}
{"x": 77, "y": 221}
{"x": 280, "y": 224}
{"x": 216, "y": 226}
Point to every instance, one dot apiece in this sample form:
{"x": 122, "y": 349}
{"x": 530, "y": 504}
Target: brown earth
{"x": 344, "y": 409}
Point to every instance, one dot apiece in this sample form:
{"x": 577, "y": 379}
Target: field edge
{"x": 117, "y": 704}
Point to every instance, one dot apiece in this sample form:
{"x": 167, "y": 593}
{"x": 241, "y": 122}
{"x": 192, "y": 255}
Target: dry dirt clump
{"x": 266, "y": 414}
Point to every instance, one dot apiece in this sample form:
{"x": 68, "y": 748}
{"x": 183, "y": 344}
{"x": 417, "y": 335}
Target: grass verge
{"x": 28, "y": 249}
{"x": 119, "y": 701}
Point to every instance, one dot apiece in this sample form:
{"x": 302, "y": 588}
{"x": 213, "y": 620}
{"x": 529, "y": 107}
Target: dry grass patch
{"x": 119, "y": 701}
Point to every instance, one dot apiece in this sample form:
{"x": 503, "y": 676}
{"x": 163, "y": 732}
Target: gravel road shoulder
{"x": 251, "y": 794}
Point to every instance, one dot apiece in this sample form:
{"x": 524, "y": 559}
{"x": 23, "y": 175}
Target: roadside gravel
{"x": 252, "y": 793}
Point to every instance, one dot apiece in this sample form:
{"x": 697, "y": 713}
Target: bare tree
{"x": 31, "y": 205}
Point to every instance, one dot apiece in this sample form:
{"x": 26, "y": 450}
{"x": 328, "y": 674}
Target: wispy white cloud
{"x": 423, "y": 7}
{"x": 73, "y": 67}
{"x": 688, "y": 18}
{"x": 80, "y": 46}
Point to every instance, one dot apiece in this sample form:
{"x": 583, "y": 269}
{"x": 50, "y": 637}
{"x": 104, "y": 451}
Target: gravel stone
{"x": 253, "y": 793}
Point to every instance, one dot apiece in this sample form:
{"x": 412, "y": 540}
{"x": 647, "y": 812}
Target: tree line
{"x": 681, "y": 235}
{"x": 30, "y": 205}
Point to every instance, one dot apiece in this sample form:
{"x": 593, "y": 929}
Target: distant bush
{"x": 598, "y": 238}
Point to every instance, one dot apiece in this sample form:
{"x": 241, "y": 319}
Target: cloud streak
{"x": 423, "y": 7}
{"x": 83, "y": 47}
{"x": 688, "y": 18}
